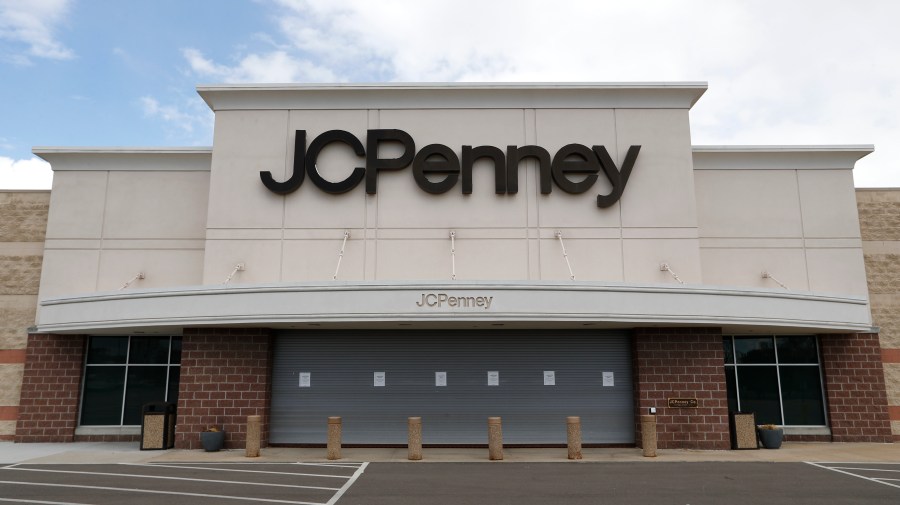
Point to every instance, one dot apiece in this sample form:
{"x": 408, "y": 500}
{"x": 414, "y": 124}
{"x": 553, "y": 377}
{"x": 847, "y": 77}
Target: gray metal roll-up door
{"x": 341, "y": 367}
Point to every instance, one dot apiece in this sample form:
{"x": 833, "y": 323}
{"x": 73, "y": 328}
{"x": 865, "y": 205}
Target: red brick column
{"x": 682, "y": 363}
{"x": 225, "y": 377}
{"x": 854, "y": 382}
{"x": 51, "y": 386}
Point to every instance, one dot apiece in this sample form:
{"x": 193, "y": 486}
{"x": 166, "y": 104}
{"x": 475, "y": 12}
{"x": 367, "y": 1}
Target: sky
{"x": 124, "y": 72}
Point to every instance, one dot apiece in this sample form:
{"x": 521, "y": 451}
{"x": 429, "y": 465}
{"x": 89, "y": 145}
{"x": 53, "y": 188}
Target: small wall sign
{"x": 683, "y": 403}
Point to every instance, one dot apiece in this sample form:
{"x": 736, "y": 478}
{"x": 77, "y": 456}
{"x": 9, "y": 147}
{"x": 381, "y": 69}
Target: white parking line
{"x": 333, "y": 465}
{"x": 155, "y": 465}
{"x": 164, "y": 477}
{"x": 154, "y": 491}
{"x": 20, "y": 500}
{"x": 870, "y": 479}
{"x": 863, "y": 469}
{"x": 349, "y": 483}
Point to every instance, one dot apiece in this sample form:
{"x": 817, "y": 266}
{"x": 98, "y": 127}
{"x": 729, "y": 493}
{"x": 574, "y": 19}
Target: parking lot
{"x": 194, "y": 483}
{"x": 452, "y": 483}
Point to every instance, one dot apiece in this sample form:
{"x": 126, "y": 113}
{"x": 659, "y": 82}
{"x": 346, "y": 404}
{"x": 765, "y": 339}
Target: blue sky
{"x": 123, "y": 72}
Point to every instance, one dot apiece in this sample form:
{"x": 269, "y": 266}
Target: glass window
{"x": 779, "y": 378}
{"x": 797, "y": 350}
{"x": 759, "y": 393}
{"x": 754, "y": 350}
{"x": 729, "y": 350}
{"x": 801, "y": 395}
{"x": 146, "y": 384}
{"x": 732, "y": 388}
{"x": 102, "y": 401}
{"x": 124, "y": 373}
{"x": 103, "y": 350}
{"x": 149, "y": 350}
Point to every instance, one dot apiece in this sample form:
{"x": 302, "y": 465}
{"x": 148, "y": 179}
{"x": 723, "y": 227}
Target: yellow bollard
{"x": 573, "y": 436}
{"x": 495, "y": 439}
{"x": 415, "y": 438}
{"x": 253, "y": 436}
{"x": 334, "y": 438}
{"x": 648, "y": 435}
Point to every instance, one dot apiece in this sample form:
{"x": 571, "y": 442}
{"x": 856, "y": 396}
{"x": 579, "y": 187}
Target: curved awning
{"x": 457, "y": 304}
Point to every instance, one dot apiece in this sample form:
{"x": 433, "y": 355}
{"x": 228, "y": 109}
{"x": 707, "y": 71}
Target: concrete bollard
{"x": 253, "y": 436}
{"x": 495, "y": 439}
{"x": 573, "y": 436}
{"x": 415, "y": 438}
{"x": 648, "y": 435}
{"x": 334, "y": 438}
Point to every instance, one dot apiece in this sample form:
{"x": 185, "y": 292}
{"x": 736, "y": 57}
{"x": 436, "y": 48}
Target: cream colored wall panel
{"x": 556, "y": 128}
{"x": 401, "y": 203}
{"x": 828, "y": 201}
{"x": 591, "y": 259}
{"x": 246, "y": 143}
{"x": 316, "y": 260}
{"x": 77, "y": 203}
{"x": 660, "y": 191}
{"x": 261, "y": 259}
{"x": 745, "y": 203}
{"x": 309, "y": 206}
{"x": 69, "y": 272}
{"x": 161, "y": 268}
{"x": 642, "y": 259}
{"x": 158, "y": 205}
{"x": 837, "y": 271}
{"x": 744, "y": 267}
{"x": 488, "y": 259}
{"x": 413, "y": 260}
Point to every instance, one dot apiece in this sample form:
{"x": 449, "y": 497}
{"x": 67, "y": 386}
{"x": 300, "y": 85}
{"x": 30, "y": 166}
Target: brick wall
{"x": 51, "y": 383}
{"x": 225, "y": 377}
{"x": 854, "y": 381}
{"x": 682, "y": 363}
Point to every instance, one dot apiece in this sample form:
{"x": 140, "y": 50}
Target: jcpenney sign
{"x": 437, "y": 168}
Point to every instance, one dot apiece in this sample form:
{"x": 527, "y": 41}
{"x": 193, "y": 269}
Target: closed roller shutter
{"x": 342, "y": 366}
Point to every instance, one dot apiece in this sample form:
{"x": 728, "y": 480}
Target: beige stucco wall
{"x": 879, "y": 219}
{"x": 403, "y": 233}
{"x": 23, "y": 221}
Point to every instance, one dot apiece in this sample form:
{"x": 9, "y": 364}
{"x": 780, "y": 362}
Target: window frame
{"x": 732, "y": 368}
{"x": 125, "y": 365}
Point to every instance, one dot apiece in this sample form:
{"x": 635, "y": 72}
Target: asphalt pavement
{"x": 116, "y": 473}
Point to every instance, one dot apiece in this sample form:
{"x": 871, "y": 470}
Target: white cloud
{"x": 190, "y": 123}
{"x": 32, "y": 173}
{"x": 32, "y": 23}
{"x": 800, "y": 72}
{"x": 273, "y": 67}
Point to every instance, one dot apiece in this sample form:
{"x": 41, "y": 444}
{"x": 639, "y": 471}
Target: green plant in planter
{"x": 212, "y": 439}
{"x": 770, "y": 435}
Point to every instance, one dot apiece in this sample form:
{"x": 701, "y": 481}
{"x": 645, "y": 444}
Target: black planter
{"x": 212, "y": 440}
{"x": 771, "y": 439}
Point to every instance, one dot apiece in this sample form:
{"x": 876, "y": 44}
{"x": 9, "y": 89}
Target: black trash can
{"x": 157, "y": 426}
{"x": 743, "y": 430}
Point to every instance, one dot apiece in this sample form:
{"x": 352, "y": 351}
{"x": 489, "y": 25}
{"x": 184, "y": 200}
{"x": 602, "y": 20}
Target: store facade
{"x": 454, "y": 252}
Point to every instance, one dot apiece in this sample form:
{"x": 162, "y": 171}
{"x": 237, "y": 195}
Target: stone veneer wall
{"x": 879, "y": 222}
{"x": 23, "y": 224}
{"x": 225, "y": 377}
{"x": 682, "y": 363}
